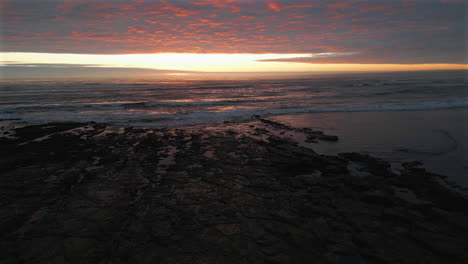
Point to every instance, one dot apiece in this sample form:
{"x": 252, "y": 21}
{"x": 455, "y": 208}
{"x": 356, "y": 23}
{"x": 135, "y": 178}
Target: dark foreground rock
{"x": 82, "y": 193}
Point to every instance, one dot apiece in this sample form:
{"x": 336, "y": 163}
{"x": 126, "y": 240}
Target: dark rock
{"x": 156, "y": 196}
{"x": 378, "y": 197}
{"x": 37, "y": 131}
{"x": 327, "y": 137}
{"x": 375, "y": 166}
{"x": 275, "y": 124}
{"x": 411, "y": 165}
{"x": 311, "y": 139}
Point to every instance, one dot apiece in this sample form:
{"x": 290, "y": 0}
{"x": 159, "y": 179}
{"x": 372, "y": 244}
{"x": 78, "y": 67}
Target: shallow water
{"x": 435, "y": 137}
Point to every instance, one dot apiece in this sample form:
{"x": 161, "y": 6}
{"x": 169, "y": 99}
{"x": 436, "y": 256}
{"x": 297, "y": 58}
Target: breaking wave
{"x": 186, "y": 102}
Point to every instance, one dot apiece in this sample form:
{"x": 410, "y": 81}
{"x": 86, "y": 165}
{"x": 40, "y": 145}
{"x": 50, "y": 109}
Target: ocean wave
{"x": 246, "y": 114}
{"x": 123, "y": 105}
{"x": 432, "y": 105}
{"x": 183, "y": 103}
{"x": 454, "y": 103}
{"x": 205, "y": 117}
{"x": 368, "y": 108}
{"x": 404, "y": 91}
{"x": 409, "y": 83}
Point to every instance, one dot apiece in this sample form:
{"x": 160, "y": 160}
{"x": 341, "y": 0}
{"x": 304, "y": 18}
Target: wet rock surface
{"x": 90, "y": 193}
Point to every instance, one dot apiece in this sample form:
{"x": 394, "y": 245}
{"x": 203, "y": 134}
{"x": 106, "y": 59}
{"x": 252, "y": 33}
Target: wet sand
{"x": 237, "y": 193}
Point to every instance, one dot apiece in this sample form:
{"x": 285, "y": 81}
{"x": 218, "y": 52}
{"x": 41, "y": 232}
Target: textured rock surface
{"x": 84, "y": 193}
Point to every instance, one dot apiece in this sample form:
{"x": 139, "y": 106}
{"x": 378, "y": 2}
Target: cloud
{"x": 316, "y": 56}
{"x": 274, "y": 6}
{"x": 61, "y": 70}
{"x": 379, "y": 56}
{"x": 48, "y": 65}
{"x": 413, "y": 31}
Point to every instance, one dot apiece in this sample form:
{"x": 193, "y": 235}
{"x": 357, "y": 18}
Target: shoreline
{"x": 234, "y": 193}
{"x": 436, "y": 138}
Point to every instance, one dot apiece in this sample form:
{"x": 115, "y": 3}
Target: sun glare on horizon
{"x": 209, "y": 62}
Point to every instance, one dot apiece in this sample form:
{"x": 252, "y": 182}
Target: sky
{"x": 188, "y": 36}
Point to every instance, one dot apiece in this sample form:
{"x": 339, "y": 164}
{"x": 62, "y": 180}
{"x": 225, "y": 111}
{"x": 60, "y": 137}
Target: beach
{"x": 238, "y": 192}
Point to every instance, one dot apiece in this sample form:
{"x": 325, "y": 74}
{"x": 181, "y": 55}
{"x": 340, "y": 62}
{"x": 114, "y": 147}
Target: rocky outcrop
{"x": 89, "y": 193}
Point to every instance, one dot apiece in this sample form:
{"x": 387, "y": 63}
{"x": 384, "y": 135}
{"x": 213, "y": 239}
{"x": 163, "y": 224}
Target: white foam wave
{"x": 120, "y": 105}
{"x": 184, "y": 118}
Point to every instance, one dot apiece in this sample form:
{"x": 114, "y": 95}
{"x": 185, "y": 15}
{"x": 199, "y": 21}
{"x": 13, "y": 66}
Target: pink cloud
{"x": 274, "y": 6}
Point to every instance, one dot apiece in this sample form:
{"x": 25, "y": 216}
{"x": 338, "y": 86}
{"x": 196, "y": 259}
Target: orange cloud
{"x": 177, "y": 10}
{"x": 277, "y": 7}
{"x": 375, "y": 8}
{"x": 339, "y": 5}
{"x": 218, "y": 26}
{"x": 221, "y": 4}
{"x": 274, "y": 6}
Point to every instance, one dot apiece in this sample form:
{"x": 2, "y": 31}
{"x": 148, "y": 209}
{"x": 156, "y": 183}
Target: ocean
{"x": 397, "y": 116}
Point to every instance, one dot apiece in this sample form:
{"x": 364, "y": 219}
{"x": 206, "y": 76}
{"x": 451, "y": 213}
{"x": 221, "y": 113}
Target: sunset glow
{"x": 235, "y": 36}
{"x": 210, "y": 62}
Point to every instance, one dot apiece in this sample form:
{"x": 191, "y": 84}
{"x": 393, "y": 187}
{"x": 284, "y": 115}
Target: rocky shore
{"x": 240, "y": 193}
